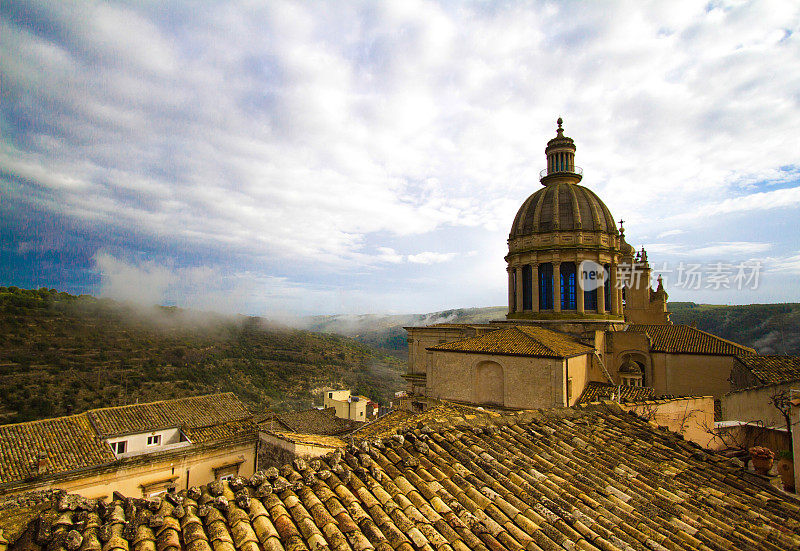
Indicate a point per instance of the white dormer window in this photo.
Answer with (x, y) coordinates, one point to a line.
(154, 440)
(119, 447)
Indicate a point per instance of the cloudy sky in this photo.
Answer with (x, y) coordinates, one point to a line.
(318, 157)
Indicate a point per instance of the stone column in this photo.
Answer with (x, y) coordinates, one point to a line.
(519, 288)
(613, 295)
(579, 296)
(511, 289)
(556, 286)
(534, 287)
(601, 298)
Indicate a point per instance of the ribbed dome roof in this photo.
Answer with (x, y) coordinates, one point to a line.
(562, 206)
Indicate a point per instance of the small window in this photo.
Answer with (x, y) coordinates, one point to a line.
(361, 414)
(330, 395)
(119, 447)
(154, 440)
(226, 477)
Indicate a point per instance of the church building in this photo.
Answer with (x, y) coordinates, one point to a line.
(582, 314)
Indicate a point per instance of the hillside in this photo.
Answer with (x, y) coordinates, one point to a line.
(62, 354)
(386, 331)
(769, 328)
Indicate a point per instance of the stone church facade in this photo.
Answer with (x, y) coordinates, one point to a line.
(561, 336)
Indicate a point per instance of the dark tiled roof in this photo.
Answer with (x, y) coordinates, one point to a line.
(223, 431)
(195, 411)
(590, 479)
(596, 391)
(312, 421)
(69, 443)
(684, 339)
(773, 369)
(520, 340)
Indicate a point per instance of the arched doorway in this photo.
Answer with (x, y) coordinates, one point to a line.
(489, 384)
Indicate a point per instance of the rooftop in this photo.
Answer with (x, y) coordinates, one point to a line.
(590, 478)
(76, 441)
(194, 411)
(596, 391)
(310, 421)
(520, 340)
(685, 339)
(773, 369)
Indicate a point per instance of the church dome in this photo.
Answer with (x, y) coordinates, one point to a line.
(562, 206)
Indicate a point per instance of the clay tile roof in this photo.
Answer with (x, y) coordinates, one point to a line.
(520, 340)
(68, 442)
(684, 339)
(222, 431)
(310, 439)
(191, 412)
(592, 478)
(773, 369)
(596, 391)
(311, 421)
(76, 441)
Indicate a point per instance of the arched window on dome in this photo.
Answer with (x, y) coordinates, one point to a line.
(590, 299)
(568, 296)
(545, 286)
(527, 287)
(607, 287)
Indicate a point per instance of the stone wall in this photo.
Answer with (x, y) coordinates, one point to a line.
(527, 382)
(753, 405)
(691, 374)
(692, 416)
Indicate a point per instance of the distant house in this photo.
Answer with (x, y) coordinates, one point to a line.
(140, 449)
(347, 406)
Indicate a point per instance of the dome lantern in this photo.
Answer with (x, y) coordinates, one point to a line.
(560, 152)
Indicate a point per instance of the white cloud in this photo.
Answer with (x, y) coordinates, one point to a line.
(736, 248)
(429, 257)
(387, 254)
(296, 133)
(145, 284)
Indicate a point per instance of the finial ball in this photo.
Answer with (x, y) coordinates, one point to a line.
(560, 122)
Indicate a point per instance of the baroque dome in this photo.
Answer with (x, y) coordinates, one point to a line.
(562, 206)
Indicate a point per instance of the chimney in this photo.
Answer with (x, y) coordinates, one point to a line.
(42, 464)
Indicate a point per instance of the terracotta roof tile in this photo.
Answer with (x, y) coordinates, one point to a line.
(194, 411)
(596, 391)
(520, 340)
(77, 441)
(310, 421)
(589, 478)
(773, 369)
(684, 339)
(69, 443)
(222, 431)
(313, 439)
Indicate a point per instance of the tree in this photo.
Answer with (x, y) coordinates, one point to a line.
(783, 404)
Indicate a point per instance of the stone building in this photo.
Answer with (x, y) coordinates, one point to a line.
(141, 449)
(581, 310)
